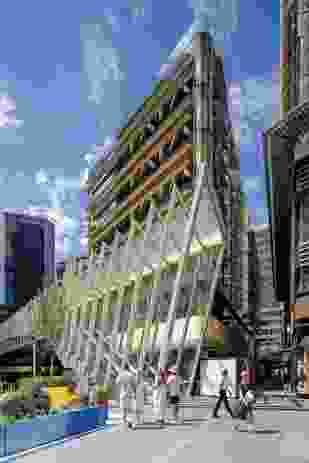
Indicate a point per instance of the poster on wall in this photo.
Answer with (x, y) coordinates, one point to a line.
(210, 375)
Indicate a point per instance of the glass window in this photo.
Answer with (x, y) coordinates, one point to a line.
(304, 219)
(302, 280)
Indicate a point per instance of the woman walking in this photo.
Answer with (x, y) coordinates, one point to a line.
(244, 380)
(140, 398)
(224, 388)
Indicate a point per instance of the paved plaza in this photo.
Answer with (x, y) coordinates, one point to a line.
(198, 439)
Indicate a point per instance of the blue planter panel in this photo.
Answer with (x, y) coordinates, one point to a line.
(3, 440)
(102, 415)
(81, 421)
(38, 431)
(21, 436)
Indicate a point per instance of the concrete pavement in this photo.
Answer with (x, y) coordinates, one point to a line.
(192, 441)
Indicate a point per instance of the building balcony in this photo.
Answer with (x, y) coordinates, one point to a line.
(303, 254)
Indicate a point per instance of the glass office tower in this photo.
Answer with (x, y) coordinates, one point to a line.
(27, 257)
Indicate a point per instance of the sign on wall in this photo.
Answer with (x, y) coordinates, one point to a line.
(211, 374)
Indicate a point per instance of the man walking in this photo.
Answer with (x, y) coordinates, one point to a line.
(160, 396)
(126, 382)
(225, 386)
(174, 389)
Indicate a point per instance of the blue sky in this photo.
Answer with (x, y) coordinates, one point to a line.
(70, 72)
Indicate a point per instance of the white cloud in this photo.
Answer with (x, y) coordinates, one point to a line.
(259, 215)
(90, 158)
(41, 177)
(101, 60)
(112, 19)
(218, 17)
(61, 193)
(8, 119)
(252, 185)
(138, 12)
(253, 104)
(54, 196)
(84, 178)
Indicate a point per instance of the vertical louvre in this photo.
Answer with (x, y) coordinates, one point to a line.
(302, 177)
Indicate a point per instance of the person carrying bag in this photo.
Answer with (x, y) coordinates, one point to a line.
(224, 388)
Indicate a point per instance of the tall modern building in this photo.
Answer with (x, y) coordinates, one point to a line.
(27, 250)
(167, 276)
(141, 198)
(286, 148)
(267, 312)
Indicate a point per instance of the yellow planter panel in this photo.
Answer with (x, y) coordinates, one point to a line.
(60, 396)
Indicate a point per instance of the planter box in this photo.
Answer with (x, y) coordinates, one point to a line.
(41, 430)
(28, 434)
(60, 396)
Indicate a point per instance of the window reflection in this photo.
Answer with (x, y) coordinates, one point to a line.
(302, 218)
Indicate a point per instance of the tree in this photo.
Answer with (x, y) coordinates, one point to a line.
(48, 318)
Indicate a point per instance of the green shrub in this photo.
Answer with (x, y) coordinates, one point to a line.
(26, 384)
(55, 411)
(103, 392)
(7, 419)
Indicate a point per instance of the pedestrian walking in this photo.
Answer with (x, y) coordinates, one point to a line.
(83, 385)
(140, 398)
(224, 388)
(126, 382)
(92, 392)
(156, 398)
(244, 380)
(160, 397)
(174, 392)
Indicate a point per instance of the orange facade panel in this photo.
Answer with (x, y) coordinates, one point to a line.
(299, 311)
(215, 328)
(181, 161)
(135, 167)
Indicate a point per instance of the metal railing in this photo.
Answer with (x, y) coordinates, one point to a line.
(14, 343)
(303, 254)
(7, 387)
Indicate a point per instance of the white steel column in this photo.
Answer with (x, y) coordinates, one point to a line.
(92, 321)
(123, 288)
(133, 310)
(72, 331)
(189, 231)
(110, 272)
(81, 327)
(189, 312)
(157, 279)
(115, 329)
(210, 301)
(66, 335)
(158, 315)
